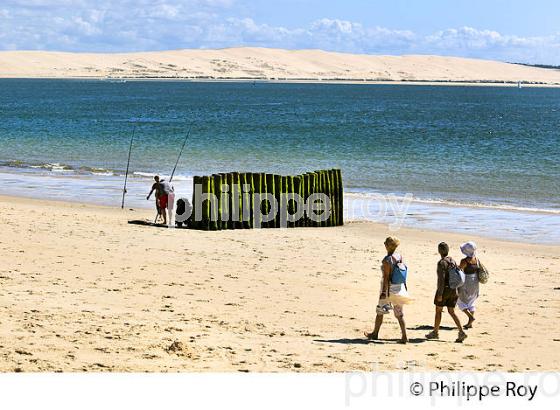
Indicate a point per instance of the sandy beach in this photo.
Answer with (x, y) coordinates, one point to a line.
(254, 63)
(83, 290)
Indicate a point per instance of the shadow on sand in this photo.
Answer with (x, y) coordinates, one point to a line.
(364, 341)
(147, 223)
(428, 328)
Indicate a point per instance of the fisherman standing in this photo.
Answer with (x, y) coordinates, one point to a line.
(156, 187)
(166, 198)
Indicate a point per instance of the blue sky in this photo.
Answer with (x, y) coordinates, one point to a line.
(514, 30)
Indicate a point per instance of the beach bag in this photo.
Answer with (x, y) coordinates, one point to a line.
(456, 276)
(399, 272)
(483, 274)
(183, 213)
(383, 307)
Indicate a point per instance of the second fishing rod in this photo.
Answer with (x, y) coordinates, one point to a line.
(170, 203)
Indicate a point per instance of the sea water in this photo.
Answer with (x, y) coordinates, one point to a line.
(476, 160)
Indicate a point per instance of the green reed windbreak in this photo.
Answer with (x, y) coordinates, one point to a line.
(236, 200)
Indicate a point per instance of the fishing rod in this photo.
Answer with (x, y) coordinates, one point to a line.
(177, 162)
(127, 166)
(180, 153)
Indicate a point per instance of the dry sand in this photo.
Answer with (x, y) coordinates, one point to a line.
(267, 64)
(82, 290)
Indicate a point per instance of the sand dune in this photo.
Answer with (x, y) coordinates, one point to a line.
(82, 290)
(267, 64)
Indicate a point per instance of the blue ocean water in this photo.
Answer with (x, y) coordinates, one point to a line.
(485, 157)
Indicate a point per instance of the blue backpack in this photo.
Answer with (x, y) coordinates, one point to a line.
(399, 272)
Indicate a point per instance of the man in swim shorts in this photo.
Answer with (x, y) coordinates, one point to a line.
(164, 196)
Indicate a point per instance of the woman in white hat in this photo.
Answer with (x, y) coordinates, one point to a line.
(468, 293)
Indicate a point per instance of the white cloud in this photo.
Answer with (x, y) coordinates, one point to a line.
(133, 25)
(471, 42)
(335, 26)
(341, 35)
(465, 37)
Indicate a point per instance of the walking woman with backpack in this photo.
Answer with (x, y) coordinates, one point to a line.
(393, 293)
(468, 293)
(449, 278)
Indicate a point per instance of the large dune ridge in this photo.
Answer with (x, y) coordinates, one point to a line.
(246, 63)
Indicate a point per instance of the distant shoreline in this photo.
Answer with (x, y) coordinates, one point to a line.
(510, 84)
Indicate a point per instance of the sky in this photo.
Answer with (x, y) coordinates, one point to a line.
(506, 30)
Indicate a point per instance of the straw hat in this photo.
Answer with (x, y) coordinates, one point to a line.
(392, 242)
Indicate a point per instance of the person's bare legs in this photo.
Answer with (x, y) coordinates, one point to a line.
(470, 315)
(454, 317)
(437, 321)
(462, 335)
(170, 207)
(434, 334)
(399, 314)
(375, 334)
(164, 214)
(170, 215)
(402, 324)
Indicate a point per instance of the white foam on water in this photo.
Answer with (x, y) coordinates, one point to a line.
(510, 223)
(55, 167)
(494, 222)
(443, 202)
(144, 174)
